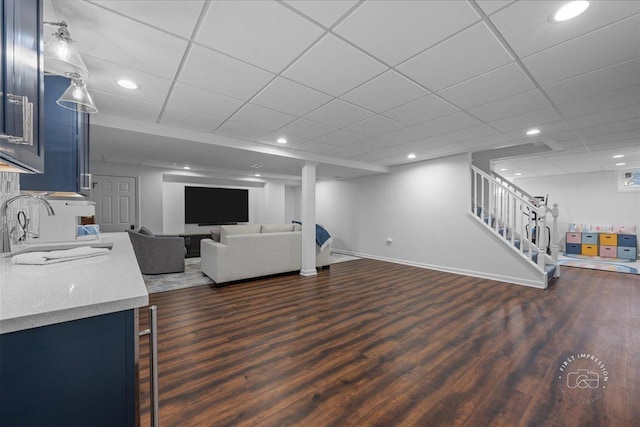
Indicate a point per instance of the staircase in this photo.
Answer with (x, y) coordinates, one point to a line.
(515, 218)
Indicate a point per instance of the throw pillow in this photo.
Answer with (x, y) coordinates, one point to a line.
(297, 227)
(227, 230)
(215, 235)
(276, 228)
(144, 230)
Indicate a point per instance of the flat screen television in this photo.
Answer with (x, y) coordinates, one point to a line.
(215, 206)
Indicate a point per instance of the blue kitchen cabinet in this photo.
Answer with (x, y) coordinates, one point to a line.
(66, 137)
(77, 373)
(21, 85)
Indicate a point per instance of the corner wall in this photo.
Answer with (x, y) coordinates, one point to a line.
(424, 208)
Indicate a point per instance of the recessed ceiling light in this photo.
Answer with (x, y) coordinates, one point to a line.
(620, 164)
(411, 156)
(532, 132)
(186, 168)
(281, 141)
(618, 156)
(504, 170)
(518, 173)
(127, 84)
(570, 10)
(257, 174)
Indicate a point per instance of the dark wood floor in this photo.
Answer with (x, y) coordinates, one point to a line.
(371, 343)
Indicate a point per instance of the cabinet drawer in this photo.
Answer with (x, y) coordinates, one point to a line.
(591, 250)
(574, 237)
(627, 252)
(574, 248)
(609, 251)
(608, 239)
(629, 240)
(590, 238)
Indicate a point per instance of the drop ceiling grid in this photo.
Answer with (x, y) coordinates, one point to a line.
(456, 106)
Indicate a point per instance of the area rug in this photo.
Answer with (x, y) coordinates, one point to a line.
(598, 263)
(193, 276)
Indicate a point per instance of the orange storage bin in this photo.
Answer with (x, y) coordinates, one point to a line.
(608, 239)
(591, 250)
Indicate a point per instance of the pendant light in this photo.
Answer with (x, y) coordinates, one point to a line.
(76, 97)
(61, 55)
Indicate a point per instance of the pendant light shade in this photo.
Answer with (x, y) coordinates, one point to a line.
(76, 97)
(61, 55)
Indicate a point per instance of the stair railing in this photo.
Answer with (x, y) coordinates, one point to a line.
(514, 216)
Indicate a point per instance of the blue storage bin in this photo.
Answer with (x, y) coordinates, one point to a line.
(590, 238)
(574, 248)
(629, 240)
(627, 252)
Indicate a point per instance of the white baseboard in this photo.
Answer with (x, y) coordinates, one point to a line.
(481, 275)
(307, 273)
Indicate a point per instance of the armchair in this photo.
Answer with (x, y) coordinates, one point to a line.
(158, 254)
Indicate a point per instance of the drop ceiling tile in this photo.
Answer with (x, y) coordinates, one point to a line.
(369, 145)
(523, 102)
(587, 53)
(240, 131)
(108, 103)
(121, 40)
(405, 135)
(396, 30)
(324, 12)
(443, 150)
(339, 114)
(105, 74)
(290, 97)
(632, 124)
(178, 17)
(450, 123)
(419, 111)
(334, 67)
(527, 28)
(219, 73)
(501, 83)
(272, 139)
(423, 144)
(307, 129)
(604, 80)
(527, 120)
(548, 128)
(465, 55)
(602, 102)
(491, 6)
(374, 126)
(315, 147)
(341, 138)
(249, 30)
(183, 119)
(261, 117)
(473, 132)
(201, 102)
(606, 117)
(385, 92)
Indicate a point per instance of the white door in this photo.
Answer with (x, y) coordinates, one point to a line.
(116, 202)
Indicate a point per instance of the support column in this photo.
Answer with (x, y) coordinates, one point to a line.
(308, 218)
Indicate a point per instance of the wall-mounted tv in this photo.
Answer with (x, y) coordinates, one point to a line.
(214, 206)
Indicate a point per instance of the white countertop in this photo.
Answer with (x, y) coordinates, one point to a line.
(39, 295)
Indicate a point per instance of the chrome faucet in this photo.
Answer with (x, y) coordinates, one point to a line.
(6, 240)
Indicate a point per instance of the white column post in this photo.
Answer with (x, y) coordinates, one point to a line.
(308, 218)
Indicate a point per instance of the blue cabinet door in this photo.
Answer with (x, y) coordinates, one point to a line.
(66, 145)
(22, 80)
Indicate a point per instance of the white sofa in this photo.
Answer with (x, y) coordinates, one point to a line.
(254, 250)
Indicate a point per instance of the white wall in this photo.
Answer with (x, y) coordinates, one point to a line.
(586, 198)
(149, 182)
(293, 200)
(161, 200)
(423, 207)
